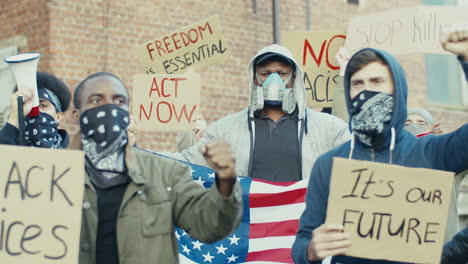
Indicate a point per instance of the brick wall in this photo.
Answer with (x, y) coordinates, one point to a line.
(29, 18)
(79, 37)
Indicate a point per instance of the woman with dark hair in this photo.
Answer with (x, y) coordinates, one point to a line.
(42, 130)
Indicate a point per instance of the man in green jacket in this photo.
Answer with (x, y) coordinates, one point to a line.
(134, 198)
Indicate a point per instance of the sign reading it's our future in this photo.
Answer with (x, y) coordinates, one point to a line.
(196, 46)
(41, 201)
(392, 212)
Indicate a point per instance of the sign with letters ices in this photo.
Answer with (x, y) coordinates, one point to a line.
(392, 212)
(41, 196)
(197, 46)
(315, 52)
(165, 102)
(403, 31)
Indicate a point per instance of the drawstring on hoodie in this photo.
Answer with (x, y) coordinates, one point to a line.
(392, 145)
(352, 146)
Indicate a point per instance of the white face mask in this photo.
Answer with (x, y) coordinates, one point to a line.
(274, 88)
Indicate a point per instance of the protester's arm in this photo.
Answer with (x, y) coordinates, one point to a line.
(9, 135)
(27, 106)
(450, 151)
(192, 154)
(456, 250)
(341, 133)
(314, 239)
(208, 215)
(455, 40)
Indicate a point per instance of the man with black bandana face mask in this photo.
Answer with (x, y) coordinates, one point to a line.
(134, 198)
(42, 130)
(375, 93)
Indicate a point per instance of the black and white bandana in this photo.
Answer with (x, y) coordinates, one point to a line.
(48, 95)
(370, 114)
(104, 137)
(41, 131)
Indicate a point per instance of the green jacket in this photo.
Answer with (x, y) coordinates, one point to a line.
(161, 195)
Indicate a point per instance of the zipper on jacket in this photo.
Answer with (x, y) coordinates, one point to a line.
(372, 154)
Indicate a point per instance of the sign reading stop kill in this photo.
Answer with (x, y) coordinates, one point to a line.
(41, 197)
(315, 52)
(392, 212)
(165, 102)
(403, 31)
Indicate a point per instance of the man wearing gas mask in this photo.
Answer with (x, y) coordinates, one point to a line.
(277, 138)
(42, 130)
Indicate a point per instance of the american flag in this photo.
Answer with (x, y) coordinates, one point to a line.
(268, 227)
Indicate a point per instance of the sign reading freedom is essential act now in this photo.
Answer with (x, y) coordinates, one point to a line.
(392, 212)
(197, 46)
(41, 197)
(403, 31)
(165, 102)
(315, 52)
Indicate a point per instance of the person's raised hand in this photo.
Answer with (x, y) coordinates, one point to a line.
(219, 157)
(454, 39)
(28, 104)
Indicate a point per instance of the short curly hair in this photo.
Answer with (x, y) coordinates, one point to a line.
(80, 86)
(55, 85)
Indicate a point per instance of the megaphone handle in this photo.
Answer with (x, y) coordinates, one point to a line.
(20, 121)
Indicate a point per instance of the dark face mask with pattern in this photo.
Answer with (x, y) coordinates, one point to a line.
(104, 137)
(104, 125)
(371, 113)
(42, 131)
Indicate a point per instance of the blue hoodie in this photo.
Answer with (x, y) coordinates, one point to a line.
(447, 152)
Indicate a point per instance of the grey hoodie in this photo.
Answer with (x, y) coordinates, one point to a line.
(318, 132)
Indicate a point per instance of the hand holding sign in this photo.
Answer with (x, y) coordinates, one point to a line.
(328, 240)
(219, 157)
(455, 40)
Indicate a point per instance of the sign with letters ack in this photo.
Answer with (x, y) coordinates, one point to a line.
(41, 193)
(392, 212)
(165, 102)
(315, 52)
(197, 46)
(403, 31)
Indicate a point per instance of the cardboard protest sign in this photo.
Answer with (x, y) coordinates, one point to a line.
(392, 212)
(165, 102)
(196, 46)
(315, 52)
(403, 31)
(41, 193)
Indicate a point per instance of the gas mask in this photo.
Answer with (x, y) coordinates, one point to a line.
(274, 92)
(417, 130)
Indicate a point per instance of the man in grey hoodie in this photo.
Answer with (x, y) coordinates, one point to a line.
(277, 138)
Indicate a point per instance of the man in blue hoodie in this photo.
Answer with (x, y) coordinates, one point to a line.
(376, 93)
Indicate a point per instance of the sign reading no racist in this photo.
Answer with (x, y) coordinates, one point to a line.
(315, 52)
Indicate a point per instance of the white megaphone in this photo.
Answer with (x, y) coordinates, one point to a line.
(24, 68)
